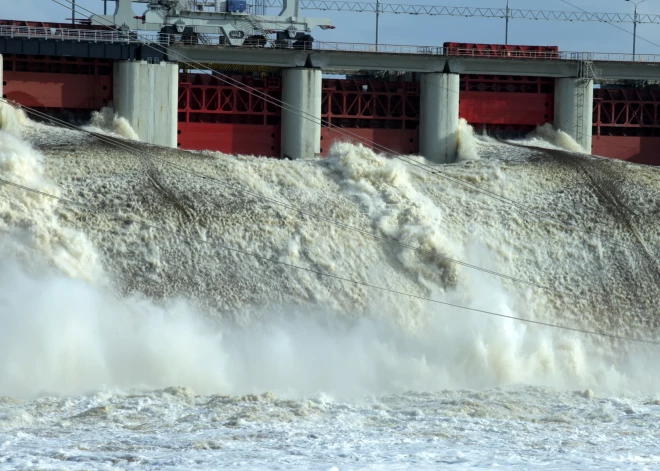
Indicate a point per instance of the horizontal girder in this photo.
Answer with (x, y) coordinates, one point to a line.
(439, 10)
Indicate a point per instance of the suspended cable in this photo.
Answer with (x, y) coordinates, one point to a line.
(432, 170)
(612, 24)
(151, 173)
(120, 144)
(391, 240)
(285, 106)
(218, 244)
(478, 12)
(342, 131)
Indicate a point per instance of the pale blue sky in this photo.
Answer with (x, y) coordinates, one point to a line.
(425, 30)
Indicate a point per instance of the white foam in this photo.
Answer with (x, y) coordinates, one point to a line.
(108, 121)
(66, 332)
(546, 134)
(12, 119)
(467, 142)
(29, 225)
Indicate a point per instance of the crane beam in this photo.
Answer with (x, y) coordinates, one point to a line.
(437, 10)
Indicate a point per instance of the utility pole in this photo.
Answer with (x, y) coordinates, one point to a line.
(73, 12)
(377, 14)
(506, 34)
(635, 26)
(105, 7)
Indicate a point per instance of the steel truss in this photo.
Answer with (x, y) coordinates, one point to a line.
(372, 104)
(205, 99)
(627, 112)
(437, 10)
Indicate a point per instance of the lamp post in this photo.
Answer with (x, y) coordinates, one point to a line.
(377, 13)
(635, 25)
(506, 33)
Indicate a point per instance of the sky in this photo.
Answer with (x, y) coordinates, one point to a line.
(434, 30)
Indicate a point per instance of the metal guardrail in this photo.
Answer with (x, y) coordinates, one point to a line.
(62, 34)
(111, 36)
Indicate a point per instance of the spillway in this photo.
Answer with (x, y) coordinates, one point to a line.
(206, 271)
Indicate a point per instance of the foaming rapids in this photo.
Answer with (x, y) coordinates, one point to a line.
(69, 326)
(65, 336)
(546, 134)
(467, 142)
(108, 121)
(11, 119)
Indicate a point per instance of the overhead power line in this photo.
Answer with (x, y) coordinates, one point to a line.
(272, 201)
(350, 135)
(219, 244)
(479, 12)
(434, 170)
(363, 283)
(619, 27)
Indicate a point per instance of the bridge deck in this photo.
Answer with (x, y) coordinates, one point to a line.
(353, 60)
(350, 56)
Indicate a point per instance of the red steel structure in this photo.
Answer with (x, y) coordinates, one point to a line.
(380, 111)
(627, 124)
(229, 119)
(506, 104)
(60, 85)
(501, 50)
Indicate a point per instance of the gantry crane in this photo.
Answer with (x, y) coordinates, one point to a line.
(231, 19)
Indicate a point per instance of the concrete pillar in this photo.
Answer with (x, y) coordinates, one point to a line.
(301, 133)
(574, 104)
(147, 96)
(438, 123)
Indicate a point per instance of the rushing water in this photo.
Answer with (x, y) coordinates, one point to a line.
(130, 337)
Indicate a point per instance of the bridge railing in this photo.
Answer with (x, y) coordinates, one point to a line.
(112, 36)
(63, 34)
(474, 52)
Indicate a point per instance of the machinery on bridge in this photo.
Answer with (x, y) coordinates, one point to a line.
(193, 20)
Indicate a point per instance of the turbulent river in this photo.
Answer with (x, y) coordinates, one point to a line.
(181, 310)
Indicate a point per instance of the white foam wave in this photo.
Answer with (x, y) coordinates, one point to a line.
(12, 119)
(467, 142)
(108, 121)
(546, 135)
(62, 336)
(29, 222)
(398, 211)
(64, 332)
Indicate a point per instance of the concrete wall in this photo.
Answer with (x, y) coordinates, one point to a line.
(574, 104)
(147, 96)
(301, 114)
(438, 121)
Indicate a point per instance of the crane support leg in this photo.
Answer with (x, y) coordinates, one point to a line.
(438, 126)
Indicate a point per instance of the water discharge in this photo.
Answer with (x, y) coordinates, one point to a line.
(107, 121)
(90, 301)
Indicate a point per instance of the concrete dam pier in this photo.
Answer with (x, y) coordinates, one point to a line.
(146, 95)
